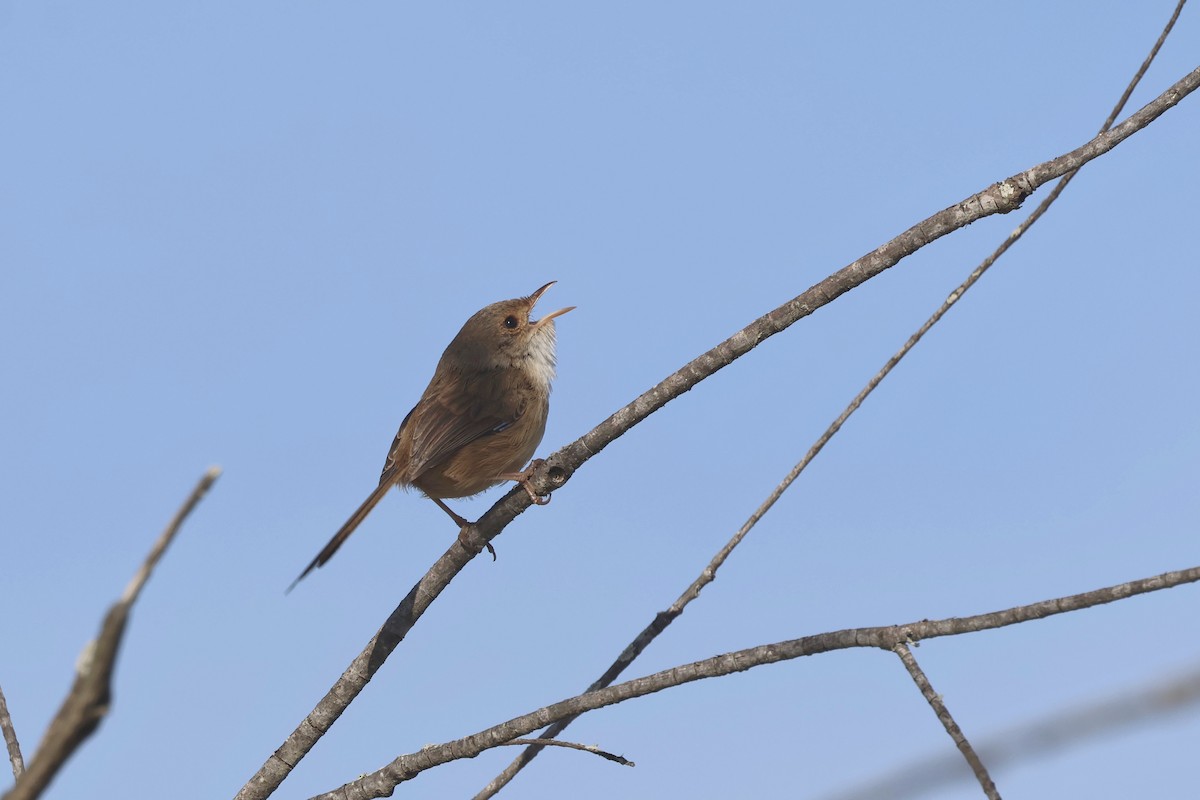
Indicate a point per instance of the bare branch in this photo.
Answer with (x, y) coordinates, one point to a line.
(709, 573)
(1000, 198)
(383, 782)
(1137, 78)
(943, 715)
(91, 694)
(557, 469)
(1040, 737)
(587, 748)
(10, 740)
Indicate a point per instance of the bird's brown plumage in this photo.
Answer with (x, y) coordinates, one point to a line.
(481, 417)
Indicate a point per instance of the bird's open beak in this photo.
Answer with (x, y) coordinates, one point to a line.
(537, 295)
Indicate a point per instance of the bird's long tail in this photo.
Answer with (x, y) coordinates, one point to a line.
(344, 532)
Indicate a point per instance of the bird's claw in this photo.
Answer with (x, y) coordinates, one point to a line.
(525, 478)
(464, 540)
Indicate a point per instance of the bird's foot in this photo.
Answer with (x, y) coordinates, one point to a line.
(464, 529)
(465, 539)
(524, 477)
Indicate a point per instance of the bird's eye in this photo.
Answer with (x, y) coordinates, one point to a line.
(511, 322)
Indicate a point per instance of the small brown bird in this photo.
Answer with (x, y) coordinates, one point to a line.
(480, 419)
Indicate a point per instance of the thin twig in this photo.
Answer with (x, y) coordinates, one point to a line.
(999, 198)
(663, 619)
(943, 714)
(91, 695)
(10, 739)
(1039, 738)
(587, 748)
(383, 782)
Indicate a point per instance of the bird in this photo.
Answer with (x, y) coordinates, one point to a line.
(480, 419)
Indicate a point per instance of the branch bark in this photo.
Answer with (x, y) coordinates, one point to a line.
(383, 782)
(556, 471)
(709, 573)
(10, 740)
(943, 714)
(587, 748)
(1039, 738)
(90, 697)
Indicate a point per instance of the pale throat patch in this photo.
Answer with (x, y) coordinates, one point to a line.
(540, 359)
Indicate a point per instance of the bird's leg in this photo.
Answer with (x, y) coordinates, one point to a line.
(459, 521)
(524, 477)
(462, 527)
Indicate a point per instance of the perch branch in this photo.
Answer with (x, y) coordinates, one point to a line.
(709, 573)
(556, 470)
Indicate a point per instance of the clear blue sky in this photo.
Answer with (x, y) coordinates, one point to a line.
(241, 234)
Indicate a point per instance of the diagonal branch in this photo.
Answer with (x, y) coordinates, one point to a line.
(943, 714)
(10, 740)
(1039, 738)
(91, 694)
(587, 748)
(1000, 198)
(382, 782)
(996, 199)
(663, 619)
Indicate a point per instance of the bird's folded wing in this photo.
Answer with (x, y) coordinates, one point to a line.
(449, 416)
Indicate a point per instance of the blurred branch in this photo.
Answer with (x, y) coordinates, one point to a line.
(943, 714)
(10, 740)
(1039, 738)
(383, 782)
(663, 619)
(91, 694)
(557, 469)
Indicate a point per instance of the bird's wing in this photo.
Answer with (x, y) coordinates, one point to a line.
(450, 415)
